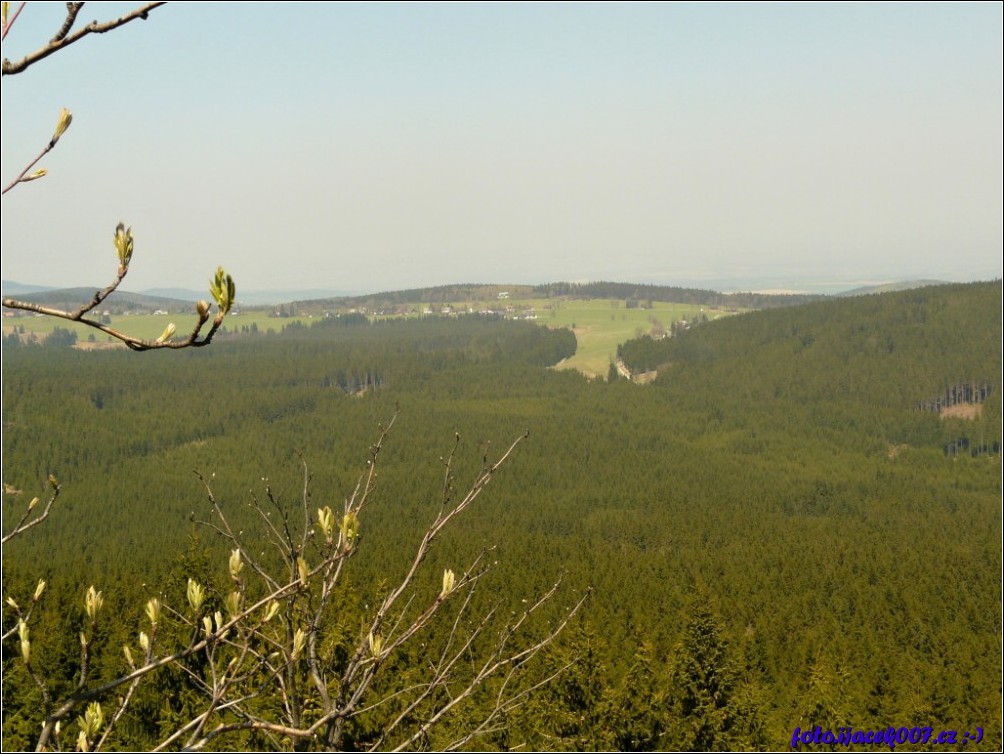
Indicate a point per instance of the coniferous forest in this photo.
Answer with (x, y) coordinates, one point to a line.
(786, 529)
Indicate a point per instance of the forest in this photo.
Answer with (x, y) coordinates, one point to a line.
(786, 529)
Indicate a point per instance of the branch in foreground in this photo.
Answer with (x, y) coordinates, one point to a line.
(223, 290)
(274, 661)
(63, 38)
(24, 524)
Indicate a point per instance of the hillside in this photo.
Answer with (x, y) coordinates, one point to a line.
(119, 302)
(782, 495)
(467, 293)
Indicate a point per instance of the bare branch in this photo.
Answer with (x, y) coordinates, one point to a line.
(64, 39)
(124, 246)
(7, 24)
(22, 526)
(72, 9)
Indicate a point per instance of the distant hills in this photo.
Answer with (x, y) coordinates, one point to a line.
(906, 285)
(171, 299)
(181, 299)
(251, 298)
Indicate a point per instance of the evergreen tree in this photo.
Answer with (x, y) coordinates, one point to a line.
(704, 680)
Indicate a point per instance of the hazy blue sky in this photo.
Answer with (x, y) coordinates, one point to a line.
(367, 147)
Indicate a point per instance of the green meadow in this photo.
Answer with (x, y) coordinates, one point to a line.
(600, 325)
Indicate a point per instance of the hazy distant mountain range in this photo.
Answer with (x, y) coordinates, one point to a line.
(172, 298)
(175, 299)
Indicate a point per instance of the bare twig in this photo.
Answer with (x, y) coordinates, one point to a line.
(23, 525)
(64, 39)
(10, 23)
(136, 344)
(223, 291)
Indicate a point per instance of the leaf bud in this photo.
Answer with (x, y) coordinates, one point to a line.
(123, 244)
(168, 332)
(326, 520)
(93, 602)
(299, 639)
(65, 118)
(195, 594)
(270, 610)
(236, 566)
(349, 528)
(223, 291)
(448, 581)
(153, 610)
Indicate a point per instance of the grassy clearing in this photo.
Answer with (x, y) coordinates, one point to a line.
(600, 325)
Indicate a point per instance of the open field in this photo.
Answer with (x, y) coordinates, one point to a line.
(600, 325)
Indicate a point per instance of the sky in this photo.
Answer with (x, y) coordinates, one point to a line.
(369, 147)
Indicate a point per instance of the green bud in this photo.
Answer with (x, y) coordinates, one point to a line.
(93, 602)
(65, 118)
(153, 610)
(195, 595)
(299, 639)
(448, 581)
(144, 643)
(349, 528)
(92, 720)
(128, 655)
(302, 570)
(168, 332)
(123, 244)
(376, 644)
(270, 610)
(326, 520)
(223, 291)
(236, 566)
(38, 590)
